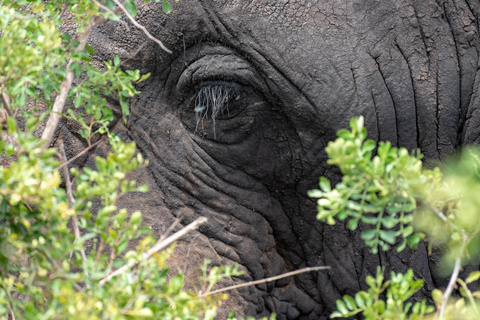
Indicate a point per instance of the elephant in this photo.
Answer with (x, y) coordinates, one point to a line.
(234, 124)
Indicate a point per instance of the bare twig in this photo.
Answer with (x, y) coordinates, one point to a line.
(451, 283)
(443, 217)
(251, 283)
(71, 201)
(166, 233)
(101, 6)
(6, 103)
(77, 156)
(135, 53)
(160, 245)
(66, 84)
(139, 26)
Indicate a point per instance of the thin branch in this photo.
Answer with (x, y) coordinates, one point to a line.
(71, 201)
(160, 245)
(6, 103)
(139, 26)
(443, 217)
(66, 84)
(66, 163)
(101, 6)
(451, 283)
(469, 293)
(251, 283)
(166, 233)
(134, 54)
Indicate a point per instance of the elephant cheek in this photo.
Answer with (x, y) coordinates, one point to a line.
(186, 183)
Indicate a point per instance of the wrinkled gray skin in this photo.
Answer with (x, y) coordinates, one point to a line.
(300, 69)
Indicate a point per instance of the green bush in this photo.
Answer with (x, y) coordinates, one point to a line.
(389, 190)
(46, 271)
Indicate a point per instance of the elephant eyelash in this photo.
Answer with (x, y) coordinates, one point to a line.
(214, 99)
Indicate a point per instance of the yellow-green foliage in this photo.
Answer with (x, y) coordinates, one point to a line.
(46, 270)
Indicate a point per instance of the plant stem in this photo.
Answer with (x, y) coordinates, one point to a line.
(448, 292)
(71, 201)
(160, 245)
(251, 283)
(469, 293)
(66, 85)
(64, 164)
(139, 26)
(6, 104)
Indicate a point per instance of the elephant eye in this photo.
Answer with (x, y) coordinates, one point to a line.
(214, 101)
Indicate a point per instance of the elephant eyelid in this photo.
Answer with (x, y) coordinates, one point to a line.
(212, 100)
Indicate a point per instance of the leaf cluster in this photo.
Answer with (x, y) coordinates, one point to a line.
(370, 304)
(388, 188)
(378, 190)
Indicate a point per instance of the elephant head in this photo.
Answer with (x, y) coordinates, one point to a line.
(235, 121)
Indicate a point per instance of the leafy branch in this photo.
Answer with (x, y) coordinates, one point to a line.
(388, 188)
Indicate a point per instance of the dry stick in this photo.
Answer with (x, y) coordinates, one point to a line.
(77, 156)
(160, 245)
(443, 217)
(166, 233)
(71, 201)
(451, 283)
(139, 26)
(66, 85)
(6, 104)
(135, 53)
(251, 283)
(456, 269)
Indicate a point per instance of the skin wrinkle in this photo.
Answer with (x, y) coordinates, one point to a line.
(292, 128)
(382, 75)
(414, 93)
(172, 183)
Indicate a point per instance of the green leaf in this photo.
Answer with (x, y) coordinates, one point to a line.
(141, 313)
(110, 4)
(352, 224)
(144, 77)
(11, 125)
(359, 300)
(368, 146)
(368, 234)
(389, 222)
(325, 184)
(315, 193)
(89, 49)
(136, 218)
(107, 114)
(473, 276)
(341, 306)
(131, 8)
(388, 236)
(369, 220)
(166, 7)
(116, 61)
(350, 302)
(413, 241)
(125, 109)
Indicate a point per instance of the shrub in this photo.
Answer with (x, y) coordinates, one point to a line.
(46, 272)
(389, 190)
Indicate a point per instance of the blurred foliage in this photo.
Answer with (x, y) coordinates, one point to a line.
(398, 289)
(399, 203)
(55, 249)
